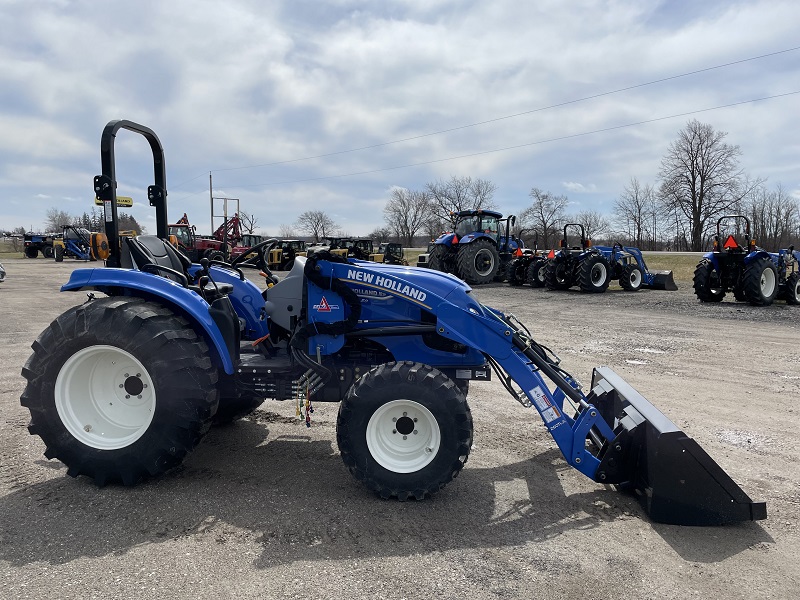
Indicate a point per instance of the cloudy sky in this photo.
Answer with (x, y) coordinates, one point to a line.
(328, 104)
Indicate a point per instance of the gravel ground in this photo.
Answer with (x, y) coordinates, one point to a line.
(266, 509)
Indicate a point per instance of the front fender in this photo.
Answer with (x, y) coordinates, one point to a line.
(127, 282)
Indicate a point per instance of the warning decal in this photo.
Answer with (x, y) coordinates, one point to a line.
(323, 306)
(539, 397)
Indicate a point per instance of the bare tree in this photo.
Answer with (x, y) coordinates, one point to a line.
(55, 219)
(774, 216)
(406, 213)
(635, 211)
(701, 178)
(594, 223)
(285, 231)
(316, 223)
(459, 193)
(382, 234)
(248, 221)
(545, 215)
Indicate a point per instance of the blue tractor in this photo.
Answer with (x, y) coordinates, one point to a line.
(592, 268)
(477, 250)
(121, 387)
(751, 273)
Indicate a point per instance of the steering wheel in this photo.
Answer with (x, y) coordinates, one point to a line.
(259, 261)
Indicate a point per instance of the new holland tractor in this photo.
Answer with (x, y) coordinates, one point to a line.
(751, 273)
(476, 250)
(124, 385)
(592, 268)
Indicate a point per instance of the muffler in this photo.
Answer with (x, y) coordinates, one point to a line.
(675, 480)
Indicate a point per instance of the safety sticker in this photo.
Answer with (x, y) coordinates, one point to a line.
(539, 397)
(551, 414)
(324, 306)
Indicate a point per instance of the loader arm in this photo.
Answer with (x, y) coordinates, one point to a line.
(612, 434)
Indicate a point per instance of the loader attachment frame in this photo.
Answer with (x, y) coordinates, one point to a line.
(614, 435)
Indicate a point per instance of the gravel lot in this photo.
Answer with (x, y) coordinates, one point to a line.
(266, 509)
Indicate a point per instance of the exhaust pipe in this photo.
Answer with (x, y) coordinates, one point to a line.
(675, 480)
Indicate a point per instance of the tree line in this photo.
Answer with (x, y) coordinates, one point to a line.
(699, 181)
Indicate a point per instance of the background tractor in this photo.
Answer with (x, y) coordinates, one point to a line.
(592, 268)
(477, 251)
(390, 253)
(195, 246)
(121, 387)
(81, 244)
(751, 273)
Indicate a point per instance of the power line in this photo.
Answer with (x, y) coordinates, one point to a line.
(484, 152)
(496, 119)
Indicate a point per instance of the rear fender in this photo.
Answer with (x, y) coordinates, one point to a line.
(761, 254)
(183, 301)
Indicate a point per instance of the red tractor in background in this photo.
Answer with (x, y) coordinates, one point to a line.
(216, 247)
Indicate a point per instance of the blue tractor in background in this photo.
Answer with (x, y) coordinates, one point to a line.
(751, 273)
(477, 250)
(122, 386)
(592, 268)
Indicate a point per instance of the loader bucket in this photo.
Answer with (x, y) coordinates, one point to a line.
(661, 280)
(675, 480)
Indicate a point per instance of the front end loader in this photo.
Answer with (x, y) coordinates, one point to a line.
(122, 387)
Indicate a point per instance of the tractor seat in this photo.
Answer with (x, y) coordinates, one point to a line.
(151, 254)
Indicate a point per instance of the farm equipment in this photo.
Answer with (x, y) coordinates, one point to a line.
(195, 246)
(751, 273)
(390, 253)
(592, 268)
(423, 260)
(528, 268)
(282, 256)
(248, 241)
(34, 243)
(476, 250)
(123, 386)
(81, 244)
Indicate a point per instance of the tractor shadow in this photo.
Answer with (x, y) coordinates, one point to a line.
(293, 496)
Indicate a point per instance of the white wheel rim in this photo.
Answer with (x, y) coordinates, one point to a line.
(767, 282)
(797, 290)
(105, 397)
(636, 278)
(481, 259)
(598, 274)
(403, 436)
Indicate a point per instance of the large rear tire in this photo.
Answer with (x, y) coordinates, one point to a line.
(439, 259)
(119, 389)
(31, 252)
(537, 270)
(478, 261)
(516, 270)
(47, 251)
(707, 284)
(760, 282)
(58, 253)
(404, 430)
(595, 274)
(557, 275)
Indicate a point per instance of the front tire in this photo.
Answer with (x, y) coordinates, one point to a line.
(536, 273)
(595, 274)
(760, 282)
(404, 430)
(58, 253)
(31, 252)
(792, 289)
(631, 279)
(478, 262)
(119, 389)
(707, 285)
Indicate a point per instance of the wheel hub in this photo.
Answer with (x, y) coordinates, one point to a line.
(403, 436)
(105, 397)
